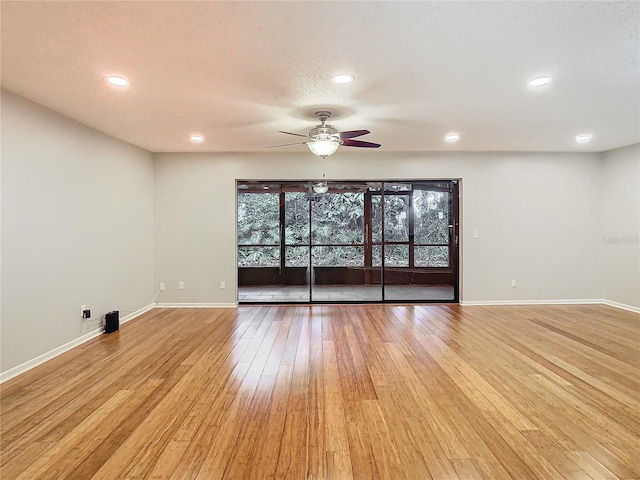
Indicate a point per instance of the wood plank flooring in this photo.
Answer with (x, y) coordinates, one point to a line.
(336, 392)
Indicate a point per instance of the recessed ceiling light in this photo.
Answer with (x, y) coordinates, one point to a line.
(342, 78)
(539, 81)
(584, 137)
(452, 137)
(117, 81)
(196, 138)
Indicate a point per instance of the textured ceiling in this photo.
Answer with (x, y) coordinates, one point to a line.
(239, 71)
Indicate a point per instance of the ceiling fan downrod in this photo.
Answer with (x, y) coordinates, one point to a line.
(323, 116)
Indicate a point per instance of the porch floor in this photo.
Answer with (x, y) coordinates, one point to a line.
(345, 293)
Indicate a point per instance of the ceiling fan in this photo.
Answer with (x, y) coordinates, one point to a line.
(324, 140)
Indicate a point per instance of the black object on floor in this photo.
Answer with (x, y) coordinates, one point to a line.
(112, 321)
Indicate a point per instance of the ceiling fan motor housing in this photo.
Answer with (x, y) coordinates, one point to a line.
(324, 132)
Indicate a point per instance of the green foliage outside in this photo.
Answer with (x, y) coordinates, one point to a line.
(258, 223)
(338, 220)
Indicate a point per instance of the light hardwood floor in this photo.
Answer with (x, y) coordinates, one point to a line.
(314, 392)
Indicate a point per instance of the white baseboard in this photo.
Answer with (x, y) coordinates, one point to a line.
(196, 305)
(570, 301)
(137, 313)
(623, 306)
(40, 359)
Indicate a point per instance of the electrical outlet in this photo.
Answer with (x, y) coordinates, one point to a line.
(514, 283)
(181, 285)
(223, 284)
(82, 309)
(162, 287)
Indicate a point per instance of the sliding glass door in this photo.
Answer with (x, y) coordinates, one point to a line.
(418, 240)
(365, 241)
(341, 265)
(273, 242)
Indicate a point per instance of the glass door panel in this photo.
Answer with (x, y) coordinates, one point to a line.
(428, 274)
(396, 240)
(273, 242)
(258, 230)
(296, 271)
(434, 240)
(340, 254)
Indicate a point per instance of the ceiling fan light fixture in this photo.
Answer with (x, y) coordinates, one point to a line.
(323, 148)
(321, 187)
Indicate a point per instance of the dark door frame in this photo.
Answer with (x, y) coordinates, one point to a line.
(284, 271)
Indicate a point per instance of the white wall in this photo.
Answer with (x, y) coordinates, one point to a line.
(620, 203)
(538, 217)
(77, 228)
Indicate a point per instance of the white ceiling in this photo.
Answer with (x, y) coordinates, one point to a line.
(239, 71)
